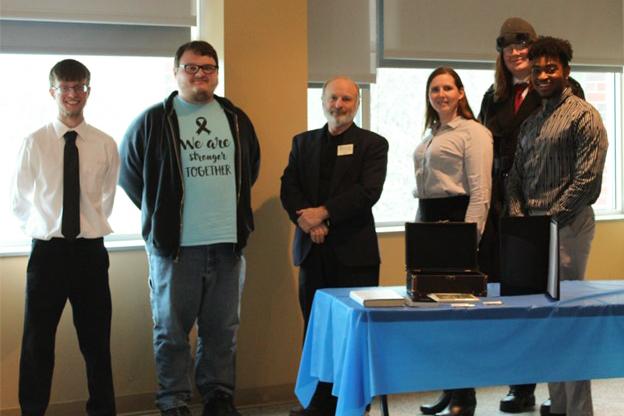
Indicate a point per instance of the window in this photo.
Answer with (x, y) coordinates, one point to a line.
(397, 109)
(122, 87)
(397, 113)
(603, 91)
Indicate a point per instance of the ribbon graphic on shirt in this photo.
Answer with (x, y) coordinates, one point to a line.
(201, 123)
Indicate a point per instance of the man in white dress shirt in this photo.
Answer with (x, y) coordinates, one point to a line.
(62, 194)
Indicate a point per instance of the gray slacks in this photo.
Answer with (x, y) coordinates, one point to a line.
(573, 398)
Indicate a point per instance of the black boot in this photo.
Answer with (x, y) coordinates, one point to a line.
(519, 399)
(545, 410)
(463, 403)
(322, 404)
(437, 406)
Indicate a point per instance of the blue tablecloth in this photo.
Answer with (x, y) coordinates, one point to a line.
(368, 352)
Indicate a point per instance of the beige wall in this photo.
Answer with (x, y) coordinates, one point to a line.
(266, 74)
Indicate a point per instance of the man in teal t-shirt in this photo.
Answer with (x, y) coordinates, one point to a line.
(207, 153)
(189, 165)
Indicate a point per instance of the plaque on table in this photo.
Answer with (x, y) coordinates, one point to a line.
(441, 257)
(529, 249)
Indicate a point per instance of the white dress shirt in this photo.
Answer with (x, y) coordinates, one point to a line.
(457, 160)
(37, 188)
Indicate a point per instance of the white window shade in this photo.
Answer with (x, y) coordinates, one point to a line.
(341, 40)
(467, 29)
(90, 39)
(140, 12)
(112, 27)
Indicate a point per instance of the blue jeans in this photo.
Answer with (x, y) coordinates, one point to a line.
(203, 286)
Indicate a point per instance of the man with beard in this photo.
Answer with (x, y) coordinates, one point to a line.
(334, 177)
(557, 171)
(189, 164)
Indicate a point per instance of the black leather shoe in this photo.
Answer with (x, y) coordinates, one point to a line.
(440, 404)
(177, 411)
(516, 402)
(220, 404)
(458, 410)
(463, 403)
(297, 410)
(309, 411)
(545, 410)
(322, 403)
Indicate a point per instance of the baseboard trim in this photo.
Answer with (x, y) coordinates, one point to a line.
(143, 404)
(266, 396)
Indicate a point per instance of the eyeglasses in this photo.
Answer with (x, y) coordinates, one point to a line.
(515, 47)
(523, 39)
(78, 89)
(194, 68)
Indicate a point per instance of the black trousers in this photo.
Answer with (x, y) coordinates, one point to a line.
(59, 270)
(322, 269)
(489, 252)
(489, 246)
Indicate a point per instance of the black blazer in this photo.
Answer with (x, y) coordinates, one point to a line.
(499, 117)
(356, 185)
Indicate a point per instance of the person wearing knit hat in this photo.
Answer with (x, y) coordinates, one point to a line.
(515, 31)
(505, 105)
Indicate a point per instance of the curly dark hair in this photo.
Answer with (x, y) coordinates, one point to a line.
(552, 48)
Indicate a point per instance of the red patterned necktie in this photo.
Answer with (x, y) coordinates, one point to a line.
(518, 98)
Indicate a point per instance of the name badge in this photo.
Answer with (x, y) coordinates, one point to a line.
(345, 149)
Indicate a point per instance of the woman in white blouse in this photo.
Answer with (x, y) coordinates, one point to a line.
(453, 163)
(453, 168)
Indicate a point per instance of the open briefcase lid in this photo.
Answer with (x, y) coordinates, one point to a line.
(441, 246)
(529, 248)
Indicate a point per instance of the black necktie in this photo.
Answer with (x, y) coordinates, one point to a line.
(70, 225)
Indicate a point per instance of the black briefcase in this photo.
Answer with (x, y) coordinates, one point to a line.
(441, 257)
